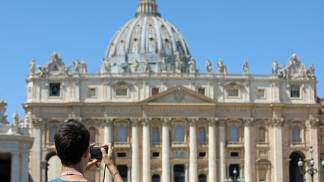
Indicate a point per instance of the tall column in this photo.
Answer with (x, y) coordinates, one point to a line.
(166, 151)
(36, 151)
(212, 171)
(278, 168)
(24, 165)
(146, 151)
(248, 152)
(15, 167)
(108, 139)
(193, 160)
(222, 141)
(313, 124)
(135, 152)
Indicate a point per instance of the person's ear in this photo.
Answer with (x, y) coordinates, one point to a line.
(86, 154)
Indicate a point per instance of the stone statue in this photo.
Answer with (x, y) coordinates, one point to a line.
(55, 58)
(105, 68)
(147, 68)
(135, 65)
(293, 59)
(275, 68)
(80, 67)
(246, 69)
(178, 65)
(192, 66)
(163, 65)
(311, 72)
(16, 119)
(221, 67)
(42, 71)
(209, 66)
(32, 67)
(3, 117)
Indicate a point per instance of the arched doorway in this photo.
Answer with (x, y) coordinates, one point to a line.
(156, 178)
(202, 178)
(295, 174)
(179, 173)
(5, 167)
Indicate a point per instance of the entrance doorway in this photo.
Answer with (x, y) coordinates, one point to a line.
(295, 174)
(5, 166)
(123, 171)
(179, 173)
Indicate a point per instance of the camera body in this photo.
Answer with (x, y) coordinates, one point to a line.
(95, 153)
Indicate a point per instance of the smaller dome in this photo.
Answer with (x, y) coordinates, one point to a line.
(147, 39)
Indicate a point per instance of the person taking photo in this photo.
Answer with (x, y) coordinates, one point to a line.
(72, 143)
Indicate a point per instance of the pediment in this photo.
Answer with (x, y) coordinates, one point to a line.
(179, 95)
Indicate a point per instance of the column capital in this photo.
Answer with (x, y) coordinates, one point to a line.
(136, 121)
(248, 121)
(277, 122)
(193, 120)
(212, 121)
(108, 121)
(166, 121)
(146, 121)
(312, 123)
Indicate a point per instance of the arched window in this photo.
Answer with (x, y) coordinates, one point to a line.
(202, 136)
(262, 135)
(93, 135)
(179, 134)
(234, 134)
(296, 135)
(202, 178)
(155, 136)
(156, 178)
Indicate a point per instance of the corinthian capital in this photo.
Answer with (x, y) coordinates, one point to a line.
(313, 122)
(212, 121)
(167, 120)
(192, 121)
(248, 121)
(277, 122)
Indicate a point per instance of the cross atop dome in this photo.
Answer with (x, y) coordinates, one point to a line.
(147, 7)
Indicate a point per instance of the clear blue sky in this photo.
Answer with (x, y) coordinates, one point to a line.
(231, 29)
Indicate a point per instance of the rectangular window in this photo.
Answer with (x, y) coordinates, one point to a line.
(179, 134)
(233, 92)
(121, 92)
(52, 132)
(54, 89)
(155, 136)
(202, 91)
(295, 91)
(234, 135)
(121, 135)
(155, 91)
(296, 135)
(92, 92)
(261, 93)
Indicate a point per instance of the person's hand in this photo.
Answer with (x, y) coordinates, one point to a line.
(107, 156)
(92, 162)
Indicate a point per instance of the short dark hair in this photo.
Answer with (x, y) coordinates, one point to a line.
(71, 141)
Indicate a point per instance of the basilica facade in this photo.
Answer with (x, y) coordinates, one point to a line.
(170, 122)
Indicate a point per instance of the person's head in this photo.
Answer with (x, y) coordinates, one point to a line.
(72, 143)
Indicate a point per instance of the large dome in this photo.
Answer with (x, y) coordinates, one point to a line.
(145, 40)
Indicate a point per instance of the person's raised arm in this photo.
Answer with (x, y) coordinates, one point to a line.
(109, 162)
